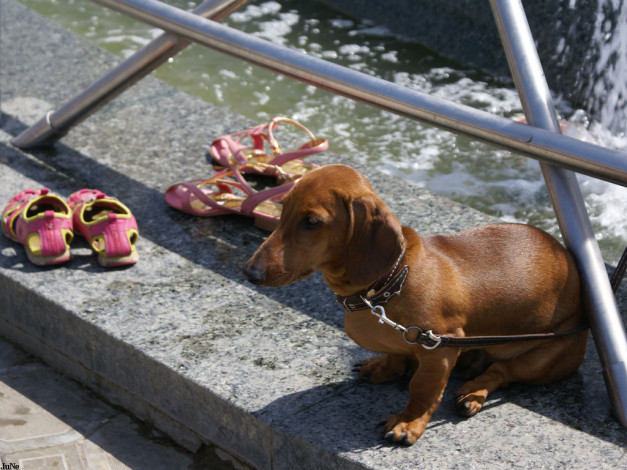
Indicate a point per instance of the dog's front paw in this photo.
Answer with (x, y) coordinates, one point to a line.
(382, 369)
(404, 431)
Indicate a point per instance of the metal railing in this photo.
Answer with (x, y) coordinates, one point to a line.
(542, 140)
(605, 321)
(534, 142)
(56, 124)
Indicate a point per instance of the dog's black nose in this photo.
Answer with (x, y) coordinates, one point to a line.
(254, 274)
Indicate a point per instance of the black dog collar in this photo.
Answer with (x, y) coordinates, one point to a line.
(379, 293)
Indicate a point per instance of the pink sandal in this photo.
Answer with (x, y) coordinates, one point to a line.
(108, 226)
(194, 197)
(42, 222)
(229, 151)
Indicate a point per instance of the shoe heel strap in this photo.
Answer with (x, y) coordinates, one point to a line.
(115, 234)
(248, 206)
(52, 232)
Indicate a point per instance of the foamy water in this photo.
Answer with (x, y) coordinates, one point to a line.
(482, 176)
(610, 85)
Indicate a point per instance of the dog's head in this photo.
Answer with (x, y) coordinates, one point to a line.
(334, 222)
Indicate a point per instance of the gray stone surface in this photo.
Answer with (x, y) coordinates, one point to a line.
(184, 343)
(49, 421)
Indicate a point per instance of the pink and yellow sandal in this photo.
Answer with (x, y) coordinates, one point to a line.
(42, 222)
(248, 149)
(108, 226)
(219, 195)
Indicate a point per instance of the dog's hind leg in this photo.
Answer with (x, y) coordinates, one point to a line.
(473, 363)
(550, 361)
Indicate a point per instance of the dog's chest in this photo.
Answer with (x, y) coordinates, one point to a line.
(364, 328)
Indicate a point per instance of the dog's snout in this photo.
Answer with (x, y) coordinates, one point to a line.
(254, 274)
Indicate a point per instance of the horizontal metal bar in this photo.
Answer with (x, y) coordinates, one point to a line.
(56, 124)
(540, 144)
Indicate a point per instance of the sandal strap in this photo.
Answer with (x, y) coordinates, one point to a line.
(274, 124)
(193, 186)
(249, 202)
(50, 229)
(11, 213)
(313, 146)
(249, 205)
(114, 227)
(14, 207)
(115, 230)
(85, 196)
(234, 148)
(262, 133)
(254, 198)
(310, 148)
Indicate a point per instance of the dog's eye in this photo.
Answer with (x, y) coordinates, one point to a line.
(311, 222)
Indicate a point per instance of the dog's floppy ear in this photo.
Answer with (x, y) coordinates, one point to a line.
(375, 242)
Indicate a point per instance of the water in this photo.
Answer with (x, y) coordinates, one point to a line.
(608, 89)
(479, 175)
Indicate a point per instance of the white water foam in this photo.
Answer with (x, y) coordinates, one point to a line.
(606, 202)
(609, 91)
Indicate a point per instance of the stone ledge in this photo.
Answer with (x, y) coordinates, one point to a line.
(183, 342)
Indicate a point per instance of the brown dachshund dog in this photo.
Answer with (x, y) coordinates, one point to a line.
(501, 279)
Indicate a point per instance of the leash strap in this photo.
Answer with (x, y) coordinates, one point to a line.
(429, 340)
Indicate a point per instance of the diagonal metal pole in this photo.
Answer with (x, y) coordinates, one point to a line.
(605, 321)
(57, 123)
